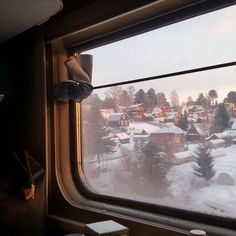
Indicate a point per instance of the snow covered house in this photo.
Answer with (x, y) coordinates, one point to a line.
(118, 120)
(217, 143)
(140, 135)
(195, 133)
(136, 112)
(228, 134)
(169, 139)
(172, 117)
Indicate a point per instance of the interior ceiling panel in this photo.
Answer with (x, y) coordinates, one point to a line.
(16, 16)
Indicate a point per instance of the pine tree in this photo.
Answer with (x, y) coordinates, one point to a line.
(151, 99)
(221, 119)
(204, 164)
(140, 97)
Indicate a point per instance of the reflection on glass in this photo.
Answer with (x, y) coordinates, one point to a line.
(170, 142)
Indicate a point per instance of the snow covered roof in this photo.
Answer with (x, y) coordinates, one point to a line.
(139, 132)
(149, 128)
(183, 155)
(198, 128)
(170, 130)
(217, 141)
(122, 136)
(148, 115)
(115, 116)
(225, 134)
(170, 115)
(135, 106)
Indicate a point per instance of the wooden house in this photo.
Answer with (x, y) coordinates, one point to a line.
(118, 120)
(136, 112)
(217, 143)
(173, 117)
(168, 140)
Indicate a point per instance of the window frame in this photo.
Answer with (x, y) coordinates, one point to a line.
(121, 204)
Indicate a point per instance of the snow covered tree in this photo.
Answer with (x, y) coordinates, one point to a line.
(204, 164)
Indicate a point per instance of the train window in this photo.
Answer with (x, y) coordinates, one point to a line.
(160, 126)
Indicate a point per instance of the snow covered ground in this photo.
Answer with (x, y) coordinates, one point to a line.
(121, 174)
(189, 191)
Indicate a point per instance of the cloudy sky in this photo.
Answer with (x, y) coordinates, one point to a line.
(201, 41)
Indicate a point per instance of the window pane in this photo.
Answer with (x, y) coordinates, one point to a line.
(170, 142)
(201, 41)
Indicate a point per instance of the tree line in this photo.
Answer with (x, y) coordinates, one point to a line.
(118, 97)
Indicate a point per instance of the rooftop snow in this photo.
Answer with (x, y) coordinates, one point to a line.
(217, 141)
(170, 130)
(122, 136)
(115, 116)
(183, 155)
(149, 128)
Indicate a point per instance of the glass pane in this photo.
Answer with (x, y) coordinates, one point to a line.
(201, 41)
(170, 142)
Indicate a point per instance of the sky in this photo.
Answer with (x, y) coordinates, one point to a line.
(200, 41)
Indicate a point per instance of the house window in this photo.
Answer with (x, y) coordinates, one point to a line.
(181, 70)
